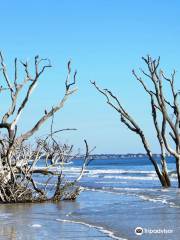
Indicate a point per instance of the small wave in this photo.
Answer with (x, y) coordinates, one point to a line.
(131, 189)
(36, 225)
(120, 191)
(119, 171)
(106, 190)
(151, 199)
(68, 163)
(101, 229)
(151, 174)
(158, 199)
(73, 169)
(174, 175)
(5, 215)
(63, 168)
(131, 177)
(108, 182)
(144, 178)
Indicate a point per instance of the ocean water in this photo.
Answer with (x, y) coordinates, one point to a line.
(118, 195)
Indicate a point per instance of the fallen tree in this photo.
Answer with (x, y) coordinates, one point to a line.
(33, 172)
(165, 110)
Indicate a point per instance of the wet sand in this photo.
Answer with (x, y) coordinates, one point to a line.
(46, 221)
(36, 222)
(95, 215)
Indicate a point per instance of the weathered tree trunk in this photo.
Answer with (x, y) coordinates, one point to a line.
(163, 177)
(164, 170)
(178, 170)
(165, 113)
(167, 182)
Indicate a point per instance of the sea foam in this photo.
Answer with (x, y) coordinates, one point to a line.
(99, 228)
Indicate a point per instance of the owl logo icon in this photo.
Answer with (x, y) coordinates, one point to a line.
(139, 231)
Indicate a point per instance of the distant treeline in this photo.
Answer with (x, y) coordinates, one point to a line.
(116, 156)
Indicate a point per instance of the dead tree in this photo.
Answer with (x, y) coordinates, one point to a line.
(19, 161)
(165, 114)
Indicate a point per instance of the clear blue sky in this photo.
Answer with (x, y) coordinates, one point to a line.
(105, 39)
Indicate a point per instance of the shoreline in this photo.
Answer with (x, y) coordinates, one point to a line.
(96, 214)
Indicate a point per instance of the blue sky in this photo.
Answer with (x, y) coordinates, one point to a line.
(105, 40)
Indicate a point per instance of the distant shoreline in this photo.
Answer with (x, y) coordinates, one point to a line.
(128, 155)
